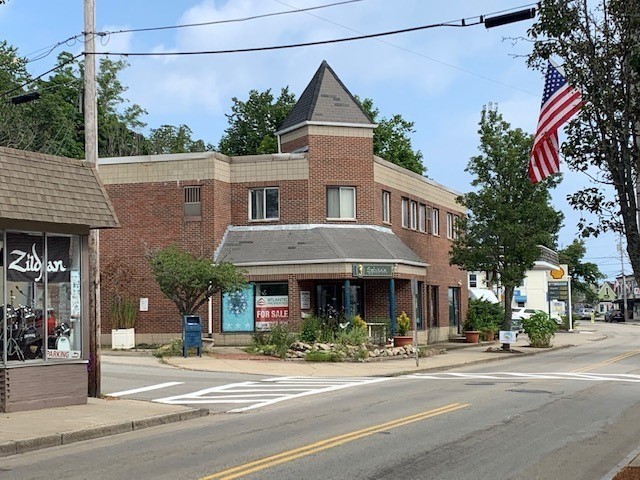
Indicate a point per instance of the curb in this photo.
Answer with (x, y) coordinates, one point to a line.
(474, 362)
(65, 438)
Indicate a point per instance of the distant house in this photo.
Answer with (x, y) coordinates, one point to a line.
(606, 297)
(627, 288)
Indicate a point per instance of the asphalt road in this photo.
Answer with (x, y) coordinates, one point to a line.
(499, 420)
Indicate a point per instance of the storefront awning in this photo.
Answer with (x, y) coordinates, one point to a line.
(483, 294)
(308, 244)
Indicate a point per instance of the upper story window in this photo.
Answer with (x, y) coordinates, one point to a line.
(341, 203)
(456, 225)
(435, 221)
(413, 215)
(450, 225)
(264, 203)
(192, 202)
(405, 212)
(386, 202)
(422, 217)
(473, 280)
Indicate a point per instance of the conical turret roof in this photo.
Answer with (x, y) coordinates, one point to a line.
(325, 101)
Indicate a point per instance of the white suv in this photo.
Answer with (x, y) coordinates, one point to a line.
(524, 313)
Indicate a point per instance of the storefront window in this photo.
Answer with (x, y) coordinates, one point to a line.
(64, 322)
(41, 313)
(272, 305)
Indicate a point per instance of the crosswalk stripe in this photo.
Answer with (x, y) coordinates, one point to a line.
(143, 389)
(267, 392)
(610, 377)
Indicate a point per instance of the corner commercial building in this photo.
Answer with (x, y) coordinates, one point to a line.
(323, 227)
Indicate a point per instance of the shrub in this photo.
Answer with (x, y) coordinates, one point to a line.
(172, 349)
(484, 316)
(275, 342)
(540, 329)
(311, 329)
(403, 324)
(323, 356)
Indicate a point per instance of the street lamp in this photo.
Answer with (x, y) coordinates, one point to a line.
(512, 17)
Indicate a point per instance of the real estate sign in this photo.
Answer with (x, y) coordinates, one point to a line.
(270, 310)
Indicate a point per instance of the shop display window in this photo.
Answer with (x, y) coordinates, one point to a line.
(41, 311)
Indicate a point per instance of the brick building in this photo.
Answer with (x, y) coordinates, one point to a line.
(322, 226)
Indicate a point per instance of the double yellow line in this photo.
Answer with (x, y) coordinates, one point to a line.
(607, 362)
(312, 448)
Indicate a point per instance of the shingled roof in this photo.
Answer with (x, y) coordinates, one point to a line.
(325, 100)
(278, 244)
(44, 188)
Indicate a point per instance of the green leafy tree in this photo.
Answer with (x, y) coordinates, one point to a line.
(599, 47)
(391, 139)
(584, 275)
(172, 139)
(252, 124)
(189, 281)
(508, 216)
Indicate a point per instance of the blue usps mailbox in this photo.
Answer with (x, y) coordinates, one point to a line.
(191, 334)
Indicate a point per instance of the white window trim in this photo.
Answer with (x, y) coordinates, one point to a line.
(355, 214)
(450, 226)
(264, 198)
(405, 212)
(413, 215)
(386, 207)
(435, 222)
(422, 218)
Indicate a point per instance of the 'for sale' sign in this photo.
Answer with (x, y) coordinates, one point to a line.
(271, 309)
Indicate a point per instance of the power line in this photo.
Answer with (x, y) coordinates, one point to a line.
(233, 20)
(463, 24)
(57, 67)
(426, 56)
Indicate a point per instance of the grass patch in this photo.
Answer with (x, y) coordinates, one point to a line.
(323, 356)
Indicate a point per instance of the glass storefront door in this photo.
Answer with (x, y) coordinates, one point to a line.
(331, 298)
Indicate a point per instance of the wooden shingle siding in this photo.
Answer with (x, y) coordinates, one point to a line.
(43, 386)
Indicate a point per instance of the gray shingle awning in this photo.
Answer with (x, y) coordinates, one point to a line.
(44, 188)
(299, 244)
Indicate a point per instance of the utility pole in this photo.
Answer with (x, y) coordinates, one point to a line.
(624, 281)
(91, 155)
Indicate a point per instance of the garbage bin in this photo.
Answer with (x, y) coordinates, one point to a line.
(191, 334)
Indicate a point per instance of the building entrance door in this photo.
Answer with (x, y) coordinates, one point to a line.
(331, 299)
(454, 308)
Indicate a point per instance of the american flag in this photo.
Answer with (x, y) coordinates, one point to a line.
(560, 101)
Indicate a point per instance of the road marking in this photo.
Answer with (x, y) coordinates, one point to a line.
(283, 457)
(609, 362)
(143, 389)
(510, 376)
(267, 392)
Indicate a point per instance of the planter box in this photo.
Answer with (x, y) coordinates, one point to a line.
(123, 338)
(400, 341)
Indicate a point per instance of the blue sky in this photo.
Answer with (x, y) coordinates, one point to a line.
(438, 78)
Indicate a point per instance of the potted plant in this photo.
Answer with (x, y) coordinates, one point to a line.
(123, 320)
(403, 324)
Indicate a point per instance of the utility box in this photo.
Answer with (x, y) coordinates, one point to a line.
(191, 334)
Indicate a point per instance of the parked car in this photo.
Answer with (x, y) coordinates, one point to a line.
(614, 314)
(524, 313)
(584, 313)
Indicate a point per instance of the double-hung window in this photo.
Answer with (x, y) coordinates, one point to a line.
(264, 203)
(422, 215)
(435, 221)
(341, 203)
(449, 225)
(405, 212)
(414, 215)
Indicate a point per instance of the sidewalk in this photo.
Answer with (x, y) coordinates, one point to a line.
(24, 431)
